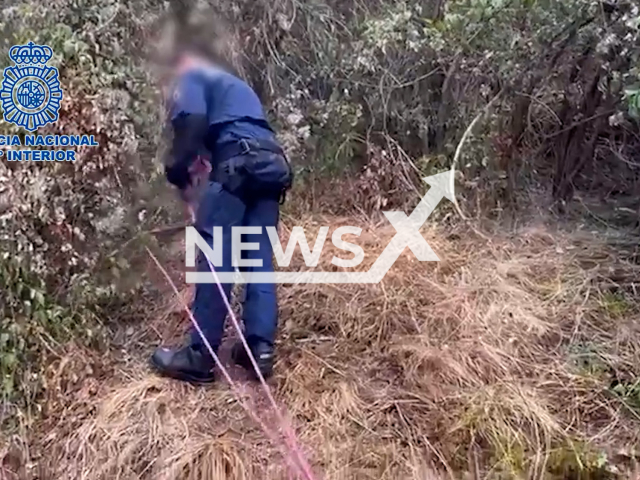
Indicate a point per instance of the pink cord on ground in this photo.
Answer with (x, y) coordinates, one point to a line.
(289, 433)
(290, 459)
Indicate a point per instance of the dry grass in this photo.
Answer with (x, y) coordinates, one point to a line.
(497, 362)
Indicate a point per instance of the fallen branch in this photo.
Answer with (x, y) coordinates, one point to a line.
(171, 228)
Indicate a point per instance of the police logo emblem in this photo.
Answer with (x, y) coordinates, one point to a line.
(31, 92)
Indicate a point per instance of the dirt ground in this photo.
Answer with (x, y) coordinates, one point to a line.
(514, 357)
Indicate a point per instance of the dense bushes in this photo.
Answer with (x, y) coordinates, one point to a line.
(413, 75)
(62, 221)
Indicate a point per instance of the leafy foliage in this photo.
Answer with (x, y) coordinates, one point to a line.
(61, 222)
(421, 73)
(32, 327)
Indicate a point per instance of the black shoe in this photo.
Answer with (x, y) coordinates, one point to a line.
(262, 353)
(186, 363)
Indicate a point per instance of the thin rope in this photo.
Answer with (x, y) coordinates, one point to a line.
(287, 453)
(289, 433)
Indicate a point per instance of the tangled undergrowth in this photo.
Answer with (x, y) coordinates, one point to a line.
(511, 358)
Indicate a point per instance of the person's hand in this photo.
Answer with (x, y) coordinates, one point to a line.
(199, 172)
(200, 169)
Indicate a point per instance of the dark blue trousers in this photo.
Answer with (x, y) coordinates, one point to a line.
(220, 208)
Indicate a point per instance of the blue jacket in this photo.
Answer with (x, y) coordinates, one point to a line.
(211, 108)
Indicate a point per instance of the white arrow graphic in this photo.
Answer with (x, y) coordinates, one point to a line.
(408, 228)
(407, 235)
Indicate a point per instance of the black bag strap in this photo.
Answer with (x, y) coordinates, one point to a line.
(246, 147)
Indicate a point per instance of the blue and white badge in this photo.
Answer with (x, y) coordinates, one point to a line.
(31, 93)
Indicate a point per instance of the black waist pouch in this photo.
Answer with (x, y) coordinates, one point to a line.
(257, 172)
(268, 172)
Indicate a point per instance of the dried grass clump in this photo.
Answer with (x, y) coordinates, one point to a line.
(497, 362)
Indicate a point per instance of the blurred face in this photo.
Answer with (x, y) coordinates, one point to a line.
(180, 63)
(188, 60)
(167, 73)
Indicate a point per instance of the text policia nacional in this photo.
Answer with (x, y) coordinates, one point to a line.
(23, 154)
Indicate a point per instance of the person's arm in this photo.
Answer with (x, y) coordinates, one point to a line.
(189, 121)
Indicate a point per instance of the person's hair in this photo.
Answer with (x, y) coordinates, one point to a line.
(197, 46)
(187, 30)
(198, 33)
